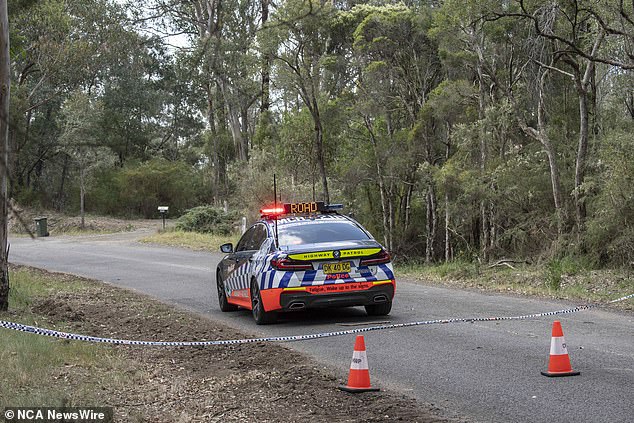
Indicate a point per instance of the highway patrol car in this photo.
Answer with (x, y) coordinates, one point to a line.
(305, 255)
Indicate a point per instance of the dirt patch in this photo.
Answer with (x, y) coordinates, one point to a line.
(262, 382)
(53, 309)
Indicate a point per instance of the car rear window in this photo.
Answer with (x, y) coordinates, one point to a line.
(319, 231)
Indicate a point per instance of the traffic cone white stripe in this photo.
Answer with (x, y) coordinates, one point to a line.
(558, 346)
(359, 361)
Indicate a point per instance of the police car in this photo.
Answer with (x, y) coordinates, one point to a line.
(303, 256)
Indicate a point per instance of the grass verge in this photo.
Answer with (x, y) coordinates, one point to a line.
(192, 240)
(563, 279)
(41, 371)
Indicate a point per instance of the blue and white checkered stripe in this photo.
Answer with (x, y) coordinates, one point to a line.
(272, 278)
(57, 334)
(240, 278)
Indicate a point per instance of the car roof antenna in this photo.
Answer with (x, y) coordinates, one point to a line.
(277, 241)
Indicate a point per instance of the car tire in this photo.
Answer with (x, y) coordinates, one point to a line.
(222, 295)
(382, 309)
(260, 316)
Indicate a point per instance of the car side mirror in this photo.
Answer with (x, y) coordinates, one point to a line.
(227, 248)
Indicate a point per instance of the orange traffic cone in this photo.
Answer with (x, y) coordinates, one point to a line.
(559, 364)
(359, 377)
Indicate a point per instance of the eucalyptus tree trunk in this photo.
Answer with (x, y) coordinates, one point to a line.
(582, 85)
(407, 212)
(582, 154)
(319, 147)
(211, 122)
(386, 206)
(484, 206)
(541, 135)
(265, 103)
(447, 213)
(244, 122)
(432, 222)
(62, 182)
(207, 18)
(82, 195)
(5, 86)
(447, 222)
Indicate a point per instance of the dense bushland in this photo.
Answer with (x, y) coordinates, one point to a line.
(454, 130)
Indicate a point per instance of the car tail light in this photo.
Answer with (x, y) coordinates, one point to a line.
(378, 258)
(289, 264)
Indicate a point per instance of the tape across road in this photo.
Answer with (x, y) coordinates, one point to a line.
(63, 335)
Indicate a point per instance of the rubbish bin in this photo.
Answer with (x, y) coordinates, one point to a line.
(41, 226)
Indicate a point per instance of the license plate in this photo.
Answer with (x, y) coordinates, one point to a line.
(330, 268)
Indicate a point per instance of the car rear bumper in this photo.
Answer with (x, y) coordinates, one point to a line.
(377, 293)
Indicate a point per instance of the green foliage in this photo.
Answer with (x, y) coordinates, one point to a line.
(553, 274)
(610, 235)
(154, 183)
(454, 270)
(557, 268)
(28, 285)
(137, 190)
(207, 220)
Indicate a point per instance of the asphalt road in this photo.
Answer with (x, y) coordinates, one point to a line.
(481, 372)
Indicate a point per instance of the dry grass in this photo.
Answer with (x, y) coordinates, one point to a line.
(566, 282)
(192, 240)
(36, 370)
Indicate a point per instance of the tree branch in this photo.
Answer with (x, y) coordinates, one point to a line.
(544, 65)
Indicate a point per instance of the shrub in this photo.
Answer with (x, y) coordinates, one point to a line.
(610, 235)
(138, 189)
(207, 219)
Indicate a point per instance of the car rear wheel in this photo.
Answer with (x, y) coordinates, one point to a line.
(260, 316)
(382, 309)
(222, 295)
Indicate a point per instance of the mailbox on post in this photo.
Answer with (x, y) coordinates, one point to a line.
(163, 210)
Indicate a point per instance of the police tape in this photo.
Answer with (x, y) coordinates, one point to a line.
(72, 336)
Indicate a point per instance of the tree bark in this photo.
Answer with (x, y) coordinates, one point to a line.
(244, 122)
(385, 202)
(265, 104)
(580, 164)
(447, 222)
(484, 215)
(432, 221)
(5, 88)
(60, 193)
(319, 146)
(447, 213)
(541, 135)
(408, 205)
(82, 196)
(583, 82)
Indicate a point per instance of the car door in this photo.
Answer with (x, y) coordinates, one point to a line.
(238, 282)
(235, 262)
